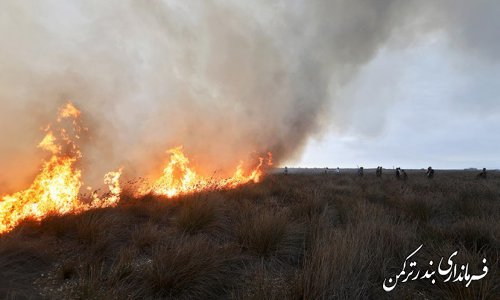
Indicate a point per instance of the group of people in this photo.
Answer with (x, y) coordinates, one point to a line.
(400, 173)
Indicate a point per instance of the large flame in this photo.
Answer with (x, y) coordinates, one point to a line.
(180, 178)
(55, 190)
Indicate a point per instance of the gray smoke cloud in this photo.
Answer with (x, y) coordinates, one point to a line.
(229, 80)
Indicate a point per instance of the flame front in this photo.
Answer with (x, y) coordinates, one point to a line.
(180, 178)
(55, 190)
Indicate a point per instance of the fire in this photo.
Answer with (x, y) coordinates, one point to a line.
(68, 111)
(48, 143)
(112, 179)
(55, 190)
(180, 178)
(269, 159)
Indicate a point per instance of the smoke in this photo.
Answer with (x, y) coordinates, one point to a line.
(228, 80)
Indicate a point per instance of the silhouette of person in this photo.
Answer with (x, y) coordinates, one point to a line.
(430, 172)
(405, 176)
(483, 174)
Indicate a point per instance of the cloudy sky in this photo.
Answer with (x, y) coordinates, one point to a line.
(444, 111)
(407, 83)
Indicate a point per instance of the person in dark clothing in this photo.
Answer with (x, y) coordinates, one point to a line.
(398, 173)
(482, 174)
(286, 170)
(379, 172)
(430, 172)
(360, 171)
(405, 176)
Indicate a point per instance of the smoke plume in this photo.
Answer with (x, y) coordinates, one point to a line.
(229, 80)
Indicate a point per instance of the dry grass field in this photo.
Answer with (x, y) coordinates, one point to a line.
(314, 236)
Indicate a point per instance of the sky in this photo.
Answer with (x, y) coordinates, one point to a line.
(444, 112)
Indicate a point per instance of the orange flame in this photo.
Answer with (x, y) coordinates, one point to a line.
(269, 159)
(179, 178)
(55, 189)
(67, 111)
(112, 179)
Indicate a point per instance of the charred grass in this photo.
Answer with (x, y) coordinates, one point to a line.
(289, 237)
